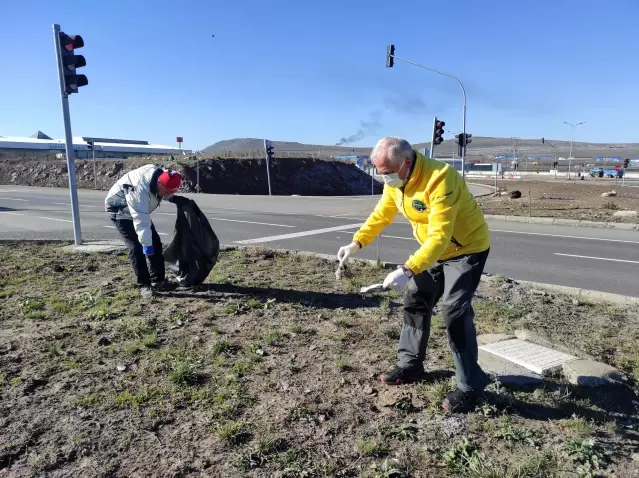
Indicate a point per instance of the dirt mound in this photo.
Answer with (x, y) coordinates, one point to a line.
(306, 176)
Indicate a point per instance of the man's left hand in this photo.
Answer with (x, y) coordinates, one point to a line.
(396, 280)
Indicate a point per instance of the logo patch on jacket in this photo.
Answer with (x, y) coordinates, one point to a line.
(419, 206)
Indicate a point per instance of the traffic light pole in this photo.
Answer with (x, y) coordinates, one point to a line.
(268, 173)
(75, 210)
(463, 155)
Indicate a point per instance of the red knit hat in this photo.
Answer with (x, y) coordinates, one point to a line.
(171, 180)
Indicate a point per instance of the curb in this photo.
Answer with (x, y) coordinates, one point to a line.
(592, 295)
(556, 221)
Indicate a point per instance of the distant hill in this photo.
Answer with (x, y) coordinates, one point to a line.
(480, 147)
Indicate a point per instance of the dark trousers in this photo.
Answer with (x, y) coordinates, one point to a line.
(137, 257)
(455, 282)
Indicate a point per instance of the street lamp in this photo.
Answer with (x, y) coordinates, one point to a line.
(390, 58)
(571, 140)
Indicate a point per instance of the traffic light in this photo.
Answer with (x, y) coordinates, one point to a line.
(626, 163)
(390, 56)
(70, 62)
(467, 139)
(438, 132)
(459, 139)
(268, 146)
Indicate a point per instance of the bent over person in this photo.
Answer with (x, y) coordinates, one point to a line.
(454, 245)
(129, 204)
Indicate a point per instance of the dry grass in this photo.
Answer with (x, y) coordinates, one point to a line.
(267, 375)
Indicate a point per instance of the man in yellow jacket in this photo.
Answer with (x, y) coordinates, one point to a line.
(454, 245)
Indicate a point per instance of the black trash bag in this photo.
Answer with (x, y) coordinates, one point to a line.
(194, 249)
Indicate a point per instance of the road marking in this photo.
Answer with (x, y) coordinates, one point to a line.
(567, 237)
(16, 199)
(596, 258)
(54, 219)
(249, 222)
(160, 233)
(68, 204)
(297, 234)
(12, 213)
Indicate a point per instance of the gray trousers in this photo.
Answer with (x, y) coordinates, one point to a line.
(455, 282)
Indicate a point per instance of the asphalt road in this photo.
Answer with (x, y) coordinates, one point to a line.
(597, 259)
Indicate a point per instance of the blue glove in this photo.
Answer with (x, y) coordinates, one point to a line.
(148, 250)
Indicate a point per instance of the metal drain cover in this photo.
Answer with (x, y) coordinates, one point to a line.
(535, 358)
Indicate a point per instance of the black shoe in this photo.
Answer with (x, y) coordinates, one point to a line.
(400, 375)
(163, 286)
(459, 401)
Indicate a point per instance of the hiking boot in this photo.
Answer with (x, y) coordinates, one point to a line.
(146, 292)
(163, 286)
(459, 401)
(399, 375)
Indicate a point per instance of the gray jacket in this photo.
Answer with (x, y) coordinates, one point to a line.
(134, 197)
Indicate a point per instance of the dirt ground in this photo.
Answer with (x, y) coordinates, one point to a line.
(267, 370)
(571, 200)
(303, 176)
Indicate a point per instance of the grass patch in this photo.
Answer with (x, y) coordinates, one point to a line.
(371, 448)
(233, 433)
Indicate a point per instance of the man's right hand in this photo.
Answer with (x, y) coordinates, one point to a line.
(346, 251)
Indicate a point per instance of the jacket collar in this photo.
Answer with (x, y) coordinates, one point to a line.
(417, 172)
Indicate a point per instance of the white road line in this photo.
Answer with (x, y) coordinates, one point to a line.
(68, 204)
(54, 219)
(15, 199)
(596, 258)
(12, 213)
(248, 222)
(342, 217)
(160, 233)
(297, 234)
(567, 237)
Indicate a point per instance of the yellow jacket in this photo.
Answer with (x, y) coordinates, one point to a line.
(445, 217)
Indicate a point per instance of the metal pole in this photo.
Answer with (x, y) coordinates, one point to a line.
(572, 138)
(463, 158)
(75, 210)
(268, 174)
(95, 177)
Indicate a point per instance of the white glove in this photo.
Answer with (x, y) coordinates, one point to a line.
(396, 280)
(347, 251)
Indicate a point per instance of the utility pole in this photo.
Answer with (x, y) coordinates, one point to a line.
(572, 138)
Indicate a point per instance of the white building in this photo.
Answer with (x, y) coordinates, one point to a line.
(39, 144)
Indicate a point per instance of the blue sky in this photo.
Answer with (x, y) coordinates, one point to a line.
(315, 71)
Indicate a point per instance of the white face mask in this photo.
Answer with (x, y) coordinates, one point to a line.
(393, 180)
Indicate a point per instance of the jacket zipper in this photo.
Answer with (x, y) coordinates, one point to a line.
(454, 241)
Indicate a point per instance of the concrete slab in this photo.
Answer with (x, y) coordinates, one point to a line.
(566, 222)
(537, 359)
(485, 339)
(589, 373)
(508, 372)
(96, 247)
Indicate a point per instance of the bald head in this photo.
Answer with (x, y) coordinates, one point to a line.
(390, 154)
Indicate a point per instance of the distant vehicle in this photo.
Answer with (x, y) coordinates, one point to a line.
(605, 173)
